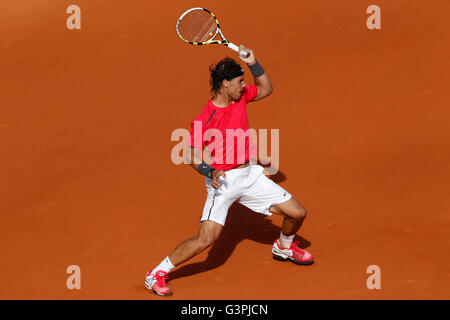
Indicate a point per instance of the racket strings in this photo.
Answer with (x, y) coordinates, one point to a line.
(198, 26)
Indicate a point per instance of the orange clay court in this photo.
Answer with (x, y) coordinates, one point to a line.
(86, 176)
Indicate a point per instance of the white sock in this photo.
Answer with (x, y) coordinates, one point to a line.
(165, 265)
(285, 241)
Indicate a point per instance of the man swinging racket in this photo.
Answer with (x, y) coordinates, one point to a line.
(230, 177)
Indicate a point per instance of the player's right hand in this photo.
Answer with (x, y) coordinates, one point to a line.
(215, 178)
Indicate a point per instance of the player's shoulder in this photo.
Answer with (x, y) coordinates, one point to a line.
(250, 92)
(250, 87)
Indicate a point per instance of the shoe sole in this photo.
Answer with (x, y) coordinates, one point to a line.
(157, 293)
(303, 263)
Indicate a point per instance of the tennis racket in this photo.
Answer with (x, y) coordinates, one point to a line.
(199, 26)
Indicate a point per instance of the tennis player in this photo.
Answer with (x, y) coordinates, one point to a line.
(232, 176)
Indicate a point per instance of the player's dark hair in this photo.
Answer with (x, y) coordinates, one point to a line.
(225, 69)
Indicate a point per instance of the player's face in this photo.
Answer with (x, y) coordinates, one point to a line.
(236, 87)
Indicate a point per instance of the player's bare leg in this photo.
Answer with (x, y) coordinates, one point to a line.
(208, 234)
(294, 214)
(283, 248)
(156, 279)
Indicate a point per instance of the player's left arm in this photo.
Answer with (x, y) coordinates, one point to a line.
(260, 76)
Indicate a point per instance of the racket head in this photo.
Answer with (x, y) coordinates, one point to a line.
(198, 26)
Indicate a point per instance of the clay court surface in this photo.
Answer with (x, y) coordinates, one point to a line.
(86, 176)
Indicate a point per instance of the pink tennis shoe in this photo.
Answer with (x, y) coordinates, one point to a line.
(157, 283)
(294, 254)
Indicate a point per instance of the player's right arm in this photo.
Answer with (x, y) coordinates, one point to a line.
(195, 160)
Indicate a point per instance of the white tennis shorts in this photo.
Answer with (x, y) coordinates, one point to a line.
(249, 186)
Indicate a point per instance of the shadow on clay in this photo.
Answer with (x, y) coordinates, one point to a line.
(241, 224)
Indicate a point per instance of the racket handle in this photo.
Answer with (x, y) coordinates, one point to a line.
(243, 54)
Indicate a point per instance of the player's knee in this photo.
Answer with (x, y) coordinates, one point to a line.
(299, 213)
(207, 240)
(303, 213)
(205, 243)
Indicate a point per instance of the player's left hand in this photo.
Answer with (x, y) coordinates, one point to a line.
(251, 58)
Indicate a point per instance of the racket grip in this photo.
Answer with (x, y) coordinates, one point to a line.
(243, 54)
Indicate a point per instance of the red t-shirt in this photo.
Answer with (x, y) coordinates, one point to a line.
(225, 132)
